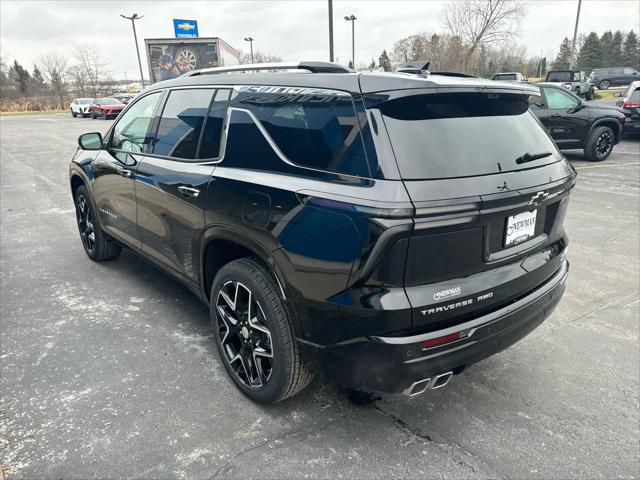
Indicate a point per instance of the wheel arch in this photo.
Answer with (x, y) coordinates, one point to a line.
(222, 244)
(612, 123)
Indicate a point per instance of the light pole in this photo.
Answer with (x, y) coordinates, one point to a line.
(331, 30)
(575, 34)
(133, 19)
(352, 18)
(250, 40)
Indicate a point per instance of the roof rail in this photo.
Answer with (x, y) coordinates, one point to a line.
(311, 67)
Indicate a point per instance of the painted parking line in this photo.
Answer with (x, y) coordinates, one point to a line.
(609, 165)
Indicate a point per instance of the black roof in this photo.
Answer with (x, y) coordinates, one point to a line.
(362, 82)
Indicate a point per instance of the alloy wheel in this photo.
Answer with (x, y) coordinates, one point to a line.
(245, 339)
(186, 60)
(604, 144)
(85, 224)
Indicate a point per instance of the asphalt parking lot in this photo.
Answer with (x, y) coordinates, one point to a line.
(110, 370)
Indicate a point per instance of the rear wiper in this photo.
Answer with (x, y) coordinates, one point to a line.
(529, 157)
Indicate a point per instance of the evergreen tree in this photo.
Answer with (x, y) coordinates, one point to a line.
(616, 50)
(384, 61)
(350, 64)
(563, 60)
(372, 65)
(606, 49)
(22, 78)
(38, 84)
(631, 51)
(590, 54)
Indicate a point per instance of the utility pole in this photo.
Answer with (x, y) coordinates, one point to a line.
(575, 35)
(331, 30)
(250, 40)
(352, 18)
(133, 19)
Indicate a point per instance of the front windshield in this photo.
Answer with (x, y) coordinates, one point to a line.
(108, 101)
(85, 101)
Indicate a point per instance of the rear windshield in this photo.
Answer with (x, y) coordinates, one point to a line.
(505, 76)
(559, 77)
(464, 134)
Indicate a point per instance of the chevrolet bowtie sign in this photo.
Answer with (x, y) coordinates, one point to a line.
(185, 28)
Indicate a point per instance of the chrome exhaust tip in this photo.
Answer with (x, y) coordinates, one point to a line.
(441, 380)
(421, 386)
(416, 388)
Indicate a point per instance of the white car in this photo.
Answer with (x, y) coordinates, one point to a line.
(81, 107)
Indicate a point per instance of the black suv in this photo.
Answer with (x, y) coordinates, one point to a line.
(379, 230)
(603, 78)
(573, 123)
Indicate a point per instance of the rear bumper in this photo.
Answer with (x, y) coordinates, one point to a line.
(393, 364)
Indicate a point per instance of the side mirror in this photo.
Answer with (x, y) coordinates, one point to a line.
(90, 141)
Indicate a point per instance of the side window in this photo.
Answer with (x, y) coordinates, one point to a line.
(210, 145)
(616, 71)
(131, 132)
(629, 71)
(559, 99)
(536, 102)
(313, 128)
(181, 123)
(635, 96)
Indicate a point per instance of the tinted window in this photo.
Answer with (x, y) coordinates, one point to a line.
(181, 123)
(559, 77)
(313, 128)
(629, 71)
(130, 133)
(616, 71)
(210, 146)
(635, 96)
(559, 99)
(463, 134)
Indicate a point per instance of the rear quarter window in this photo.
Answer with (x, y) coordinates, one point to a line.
(313, 128)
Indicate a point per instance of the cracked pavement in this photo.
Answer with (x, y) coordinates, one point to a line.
(109, 370)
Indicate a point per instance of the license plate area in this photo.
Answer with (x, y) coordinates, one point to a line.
(520, 227)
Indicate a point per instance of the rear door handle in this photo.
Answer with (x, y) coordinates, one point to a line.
(188, 191)
(126, 173)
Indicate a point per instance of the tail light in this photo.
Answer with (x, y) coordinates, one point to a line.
(626, 103)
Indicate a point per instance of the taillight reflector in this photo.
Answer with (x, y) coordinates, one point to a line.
(440, 340)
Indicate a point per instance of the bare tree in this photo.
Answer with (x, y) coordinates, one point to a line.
(54, 69)
(90, 68)
(259, 57)
(481, 22)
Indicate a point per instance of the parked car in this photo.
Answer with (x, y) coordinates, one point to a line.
(81, 107)
(603, 78)
(509, 77)
(335, 224)
(630, 103)
(574, 80)
(575, 124)
(124, 98)
(106, 107)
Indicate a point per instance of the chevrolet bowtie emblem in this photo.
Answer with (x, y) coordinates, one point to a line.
(538, 198)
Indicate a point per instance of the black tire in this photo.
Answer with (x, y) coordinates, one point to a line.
(589, 94)
(97, 245)
(73, 114)
(604, 85)
(93, 117)
(599, 144)
(260, 356)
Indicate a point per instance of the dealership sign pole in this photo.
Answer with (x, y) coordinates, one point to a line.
(133, 18)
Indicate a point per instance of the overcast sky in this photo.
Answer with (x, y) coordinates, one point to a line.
(294, 29)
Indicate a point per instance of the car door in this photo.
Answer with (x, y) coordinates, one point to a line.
(171, 181)
(565, 121)
(114, 170)
(630, 75)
